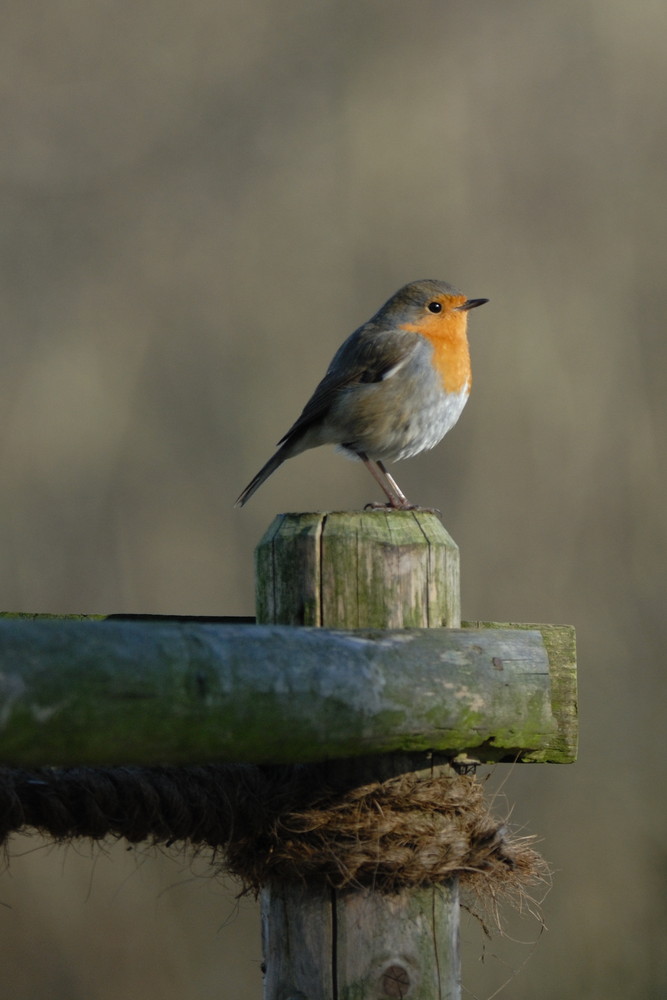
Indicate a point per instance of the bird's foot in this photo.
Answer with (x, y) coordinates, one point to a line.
(375, 505)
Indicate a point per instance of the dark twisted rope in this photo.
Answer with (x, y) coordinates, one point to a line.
(281, 823)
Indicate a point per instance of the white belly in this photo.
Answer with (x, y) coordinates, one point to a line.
(424, 428)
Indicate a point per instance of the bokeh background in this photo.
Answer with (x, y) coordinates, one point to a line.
(198, 202)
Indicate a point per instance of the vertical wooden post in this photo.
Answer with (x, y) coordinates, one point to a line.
(357, 570)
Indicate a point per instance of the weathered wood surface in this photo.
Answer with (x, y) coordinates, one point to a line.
(362, 571)
(384, 944)
(375, 569)
(116, 691)
(561, 647)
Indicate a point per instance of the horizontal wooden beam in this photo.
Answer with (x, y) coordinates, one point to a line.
(143, 691)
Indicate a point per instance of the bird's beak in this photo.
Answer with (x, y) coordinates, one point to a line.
(471, 304)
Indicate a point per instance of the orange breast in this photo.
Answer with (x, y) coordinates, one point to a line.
(451, 355)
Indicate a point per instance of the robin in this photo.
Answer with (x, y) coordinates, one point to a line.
(394, 387)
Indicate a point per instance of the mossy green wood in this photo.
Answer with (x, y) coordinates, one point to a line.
(84, 691)
(561, 649)
(288, 571)
(374, 569)
(362, 571)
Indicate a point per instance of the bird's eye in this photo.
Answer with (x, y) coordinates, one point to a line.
(435, 307)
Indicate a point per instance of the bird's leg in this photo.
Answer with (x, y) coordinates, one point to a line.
(397, 499)
(405, 503)
(403, 500)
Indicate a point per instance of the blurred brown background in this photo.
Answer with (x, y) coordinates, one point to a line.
(199, 201)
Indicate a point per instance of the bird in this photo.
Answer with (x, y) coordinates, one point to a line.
(393, 389)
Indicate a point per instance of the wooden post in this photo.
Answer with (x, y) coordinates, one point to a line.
(359, 570)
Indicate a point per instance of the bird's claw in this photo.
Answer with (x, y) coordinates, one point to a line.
(375, 505)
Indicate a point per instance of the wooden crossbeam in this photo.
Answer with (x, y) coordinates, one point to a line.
(141, 691)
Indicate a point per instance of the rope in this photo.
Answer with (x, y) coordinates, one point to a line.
(280, 823)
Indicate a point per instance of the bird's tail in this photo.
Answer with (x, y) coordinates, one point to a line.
(263, 474)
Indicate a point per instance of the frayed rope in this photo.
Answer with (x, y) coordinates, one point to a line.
(281, 823)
